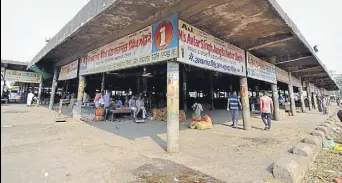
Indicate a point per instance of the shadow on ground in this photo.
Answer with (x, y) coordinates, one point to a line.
(167, 171)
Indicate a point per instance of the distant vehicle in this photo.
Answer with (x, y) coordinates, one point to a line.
(14, 97)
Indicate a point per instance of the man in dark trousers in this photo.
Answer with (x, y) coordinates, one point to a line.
(339, 114)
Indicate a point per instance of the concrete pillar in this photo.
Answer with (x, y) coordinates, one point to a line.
(3, 80)
(172, 107)
(80, 93)
(67, 87)
(309, 95)
(2, 86)
(315, 101)
(301, 94)
(40, 90)
(212, 91)
(292, 100)
(275, 101)
(53, 88)
(32, 87)
(245, 103)
(185, 94)
(27, 87)
(103, 82)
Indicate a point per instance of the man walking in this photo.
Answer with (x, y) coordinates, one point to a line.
(30, 97)
(233, 106)
(266, 109)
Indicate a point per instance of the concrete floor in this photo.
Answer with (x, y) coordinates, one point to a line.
(33, 146)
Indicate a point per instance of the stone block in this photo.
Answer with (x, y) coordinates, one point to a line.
(326, 125)
(290, 168)
(329, 122)
(323, 129)
(314, 140)
(318, 133)
(307, 150)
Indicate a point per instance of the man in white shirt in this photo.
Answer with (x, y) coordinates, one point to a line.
(30, 97)
(132, 105)
(140, 106)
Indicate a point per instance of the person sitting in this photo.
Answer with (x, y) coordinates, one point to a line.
(119, 103)
(140, 106)
(126, 101)
(281, 100)
(132, 105)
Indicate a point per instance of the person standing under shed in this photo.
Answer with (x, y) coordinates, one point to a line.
(30, 97)
(107, 104)
(266, 109)
(233, 106)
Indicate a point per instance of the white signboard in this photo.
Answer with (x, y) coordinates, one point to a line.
(282, 76)
(261, 70)
(69, 71)
(203, 50)
(22, 76)
(127, 51)
(296, 82)
(152, 44)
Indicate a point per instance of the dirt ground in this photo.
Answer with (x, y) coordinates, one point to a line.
(36, 149)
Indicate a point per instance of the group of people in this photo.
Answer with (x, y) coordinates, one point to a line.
(105, 103)
(266, 109)
(137, 104)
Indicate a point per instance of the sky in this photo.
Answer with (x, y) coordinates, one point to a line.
(24, 28)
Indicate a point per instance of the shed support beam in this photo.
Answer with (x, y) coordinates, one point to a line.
(307, 69)
(271, 43)
(301, 92)
(292, 101)
(172, 107)
(185, 94)
(212, 91)
(53, 88)
(40, 90)
(275, 101)
(309, 95)
(315, 101)
(103, 82)
(245, 103)
(294, 60)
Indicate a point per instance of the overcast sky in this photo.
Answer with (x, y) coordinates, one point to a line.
(24, 27)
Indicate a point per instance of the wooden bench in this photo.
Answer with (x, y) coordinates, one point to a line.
(4, 100)
(120, 111)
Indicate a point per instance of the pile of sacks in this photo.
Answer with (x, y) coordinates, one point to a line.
(161, 115)
(182, 115)
(201, 123)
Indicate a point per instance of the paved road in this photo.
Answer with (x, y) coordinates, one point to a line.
(35, 149)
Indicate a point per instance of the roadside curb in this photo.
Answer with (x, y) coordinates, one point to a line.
(293, 166)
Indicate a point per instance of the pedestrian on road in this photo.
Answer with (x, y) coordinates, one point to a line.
(233, 106)
(266, 109)
(339, 115)
(30, 97)
(324, 105)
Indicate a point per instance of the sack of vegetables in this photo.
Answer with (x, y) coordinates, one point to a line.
(201, 123)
